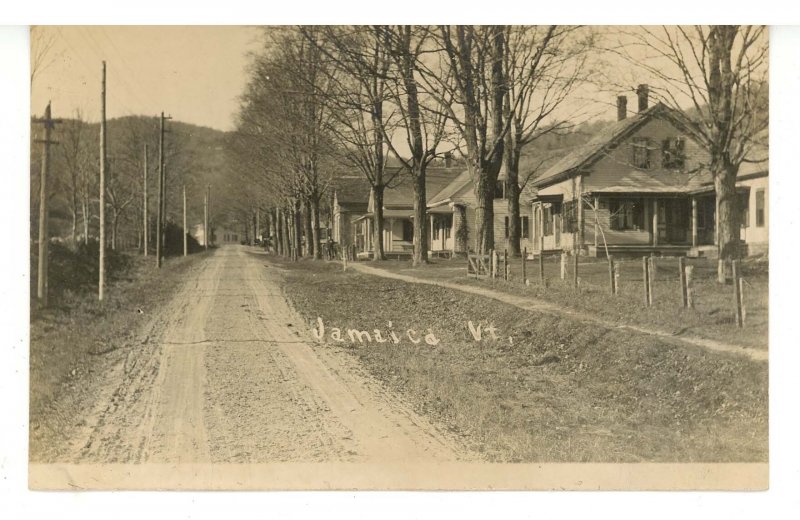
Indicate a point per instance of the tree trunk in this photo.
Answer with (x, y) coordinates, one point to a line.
(298, 230)
(267, 230)
(484, 211)
(279, 232)
(420, 217)
(287, 233)
(377, 228)
(462, 238)
(255, 230)
(85, 211)
(307, 225)
(114, 223)
(74, 224)
(728, 216)
(317, 250)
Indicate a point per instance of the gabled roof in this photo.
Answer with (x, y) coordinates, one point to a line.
(583, 155)
(447, 192)
(436, 178)
(351, 190)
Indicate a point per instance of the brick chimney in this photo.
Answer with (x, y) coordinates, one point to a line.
(448, 159)
(642, 92)
(622, 107)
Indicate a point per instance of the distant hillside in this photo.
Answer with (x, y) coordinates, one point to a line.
(194, 157)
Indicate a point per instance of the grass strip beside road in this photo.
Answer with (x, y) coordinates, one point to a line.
(557, 391)
(713, 316)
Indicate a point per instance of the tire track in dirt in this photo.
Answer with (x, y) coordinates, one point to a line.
(227, 374)
(384, 428)
(134, 423)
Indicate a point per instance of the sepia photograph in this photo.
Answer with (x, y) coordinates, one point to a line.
(399, 257)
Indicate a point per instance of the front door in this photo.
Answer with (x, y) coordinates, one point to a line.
(676, 218)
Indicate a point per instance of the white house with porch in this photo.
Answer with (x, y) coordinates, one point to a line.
(638, 187)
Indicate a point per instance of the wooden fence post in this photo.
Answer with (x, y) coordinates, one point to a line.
(646, 280)
(563, 266)
(737, 296)
(741, 300)
(541, 262)
(689, 288)
(505, 264)
(611, 275)
(682, 279)
(525, 265)
(651, 271)
(492, 264)
(575, 268)
(616, 278)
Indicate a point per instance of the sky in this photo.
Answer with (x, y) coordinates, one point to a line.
(193, 73)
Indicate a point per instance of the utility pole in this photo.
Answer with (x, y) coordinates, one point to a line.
(162, 195)
(185, 243)
(102, 281)
(145, 227)
(206, 237)
(44, 233)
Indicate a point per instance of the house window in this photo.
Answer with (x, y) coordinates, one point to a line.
(447, 224)
(408, 231)
(500, 189)
(436, 224)
(673, 153)
(641, 152)
(569, 220)
(760, 208)
(547, 220)
(525, 228)
(626, 214)
(744, 206)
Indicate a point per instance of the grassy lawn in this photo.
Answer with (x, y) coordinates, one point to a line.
(557, 391)
(713, 316)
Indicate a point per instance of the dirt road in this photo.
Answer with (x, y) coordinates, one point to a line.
(230, 374)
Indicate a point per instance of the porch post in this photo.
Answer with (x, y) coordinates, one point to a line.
(453, 230)
(430, 217)
(694, 221)
(655, 222)
(388, 246)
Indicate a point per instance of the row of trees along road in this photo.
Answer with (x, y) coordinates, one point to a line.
(324, 101)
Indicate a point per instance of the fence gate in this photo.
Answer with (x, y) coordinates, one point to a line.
(478, 265)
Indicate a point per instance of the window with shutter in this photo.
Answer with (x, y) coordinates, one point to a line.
(641, 152)
(673, 153)
(760, 208)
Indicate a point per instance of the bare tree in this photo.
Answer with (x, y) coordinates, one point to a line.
(42, 43)
(422, 121)
(76, 158)
(716, 77)
(543, 66)
(469, 67)
(357, 98)
(281, 131)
